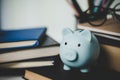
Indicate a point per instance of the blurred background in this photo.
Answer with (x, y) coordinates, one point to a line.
(22, 14)
(53, 14)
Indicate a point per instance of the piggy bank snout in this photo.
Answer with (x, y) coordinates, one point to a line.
(71, 55)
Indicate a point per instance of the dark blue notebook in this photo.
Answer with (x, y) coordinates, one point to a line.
(21, 38)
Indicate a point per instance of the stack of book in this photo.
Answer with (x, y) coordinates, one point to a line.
(110, 30)
(27, 48)
(109, 38)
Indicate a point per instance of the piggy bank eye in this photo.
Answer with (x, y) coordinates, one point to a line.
(79, 45)
(65, 43)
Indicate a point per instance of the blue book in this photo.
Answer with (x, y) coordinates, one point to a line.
(25, 38)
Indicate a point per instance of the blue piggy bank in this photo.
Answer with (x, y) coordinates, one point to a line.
(78, 49)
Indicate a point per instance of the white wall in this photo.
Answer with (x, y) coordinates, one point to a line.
(55, 14)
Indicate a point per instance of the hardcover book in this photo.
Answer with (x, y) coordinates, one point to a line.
(111, 28)
(21, 38)
(28, 54)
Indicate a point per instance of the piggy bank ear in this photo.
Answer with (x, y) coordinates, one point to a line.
(67, 31)
(87, 34)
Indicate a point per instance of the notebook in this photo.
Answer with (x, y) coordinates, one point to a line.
(21, 38)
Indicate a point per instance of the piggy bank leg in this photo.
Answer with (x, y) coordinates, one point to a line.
(85, 70)
(65, 67)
